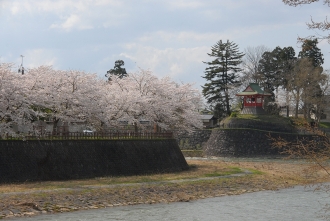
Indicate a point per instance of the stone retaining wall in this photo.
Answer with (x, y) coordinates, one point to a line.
(245, 142)
(194, 140)
(61, 160)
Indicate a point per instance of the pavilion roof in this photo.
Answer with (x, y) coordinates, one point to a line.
(253, 89)
(207, 116)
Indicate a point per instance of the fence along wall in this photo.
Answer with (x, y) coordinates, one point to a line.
(120, 135)
(65, 159)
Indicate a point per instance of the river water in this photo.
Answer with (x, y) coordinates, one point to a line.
(298, 203)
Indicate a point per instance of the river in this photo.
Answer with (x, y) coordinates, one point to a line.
(298, 203)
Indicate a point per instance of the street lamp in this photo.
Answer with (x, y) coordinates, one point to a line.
(21, 68)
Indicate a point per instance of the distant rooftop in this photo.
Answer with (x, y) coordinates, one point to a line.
(207, 116)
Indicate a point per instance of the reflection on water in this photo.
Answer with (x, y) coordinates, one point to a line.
(297, 203)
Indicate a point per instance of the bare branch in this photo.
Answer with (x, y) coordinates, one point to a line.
(303, 2)
(322, 26)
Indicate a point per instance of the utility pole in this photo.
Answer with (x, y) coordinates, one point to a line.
(21, 68)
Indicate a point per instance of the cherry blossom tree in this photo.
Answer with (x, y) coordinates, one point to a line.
(63, 95)
(169, 105)
(69, 96)
(14, 104)
(143, 97)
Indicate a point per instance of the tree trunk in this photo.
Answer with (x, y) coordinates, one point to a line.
(287, 104)
(136, 129)
(297, 104)
(55, 122)
(227, 103)
(156, 128)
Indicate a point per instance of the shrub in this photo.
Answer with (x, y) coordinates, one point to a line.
(233, 114)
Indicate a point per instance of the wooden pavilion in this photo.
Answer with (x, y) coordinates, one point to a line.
(253, 99)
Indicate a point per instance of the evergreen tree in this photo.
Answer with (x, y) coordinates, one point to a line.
(312, 92)
(221, 73)
(288, 59)
(117, 70)
(275, 68)
(310, 50)
(268, 69)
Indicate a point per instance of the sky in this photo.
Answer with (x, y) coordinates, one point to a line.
(168, 37)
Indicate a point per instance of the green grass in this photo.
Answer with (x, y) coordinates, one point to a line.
(251, 118)
(256, 172)
(264, 118)
(231, 170)
(324, 124)
(146, 179)
(199, 170)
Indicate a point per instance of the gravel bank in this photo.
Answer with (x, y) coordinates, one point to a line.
(274, 175)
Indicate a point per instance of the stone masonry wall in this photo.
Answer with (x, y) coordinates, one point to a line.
(194, 140)
(22, 161)
(245, 142)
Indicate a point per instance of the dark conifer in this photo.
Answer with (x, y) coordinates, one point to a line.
(117, 70)
(221, 74)
(310, 50)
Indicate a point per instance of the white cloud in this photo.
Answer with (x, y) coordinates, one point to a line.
(159, 51)
(185, 3)
(199, 39)
(70, 14)
(57, 6)
(32, 58)
(173, 62)
(178, 53)
(183, 36)
(73, 21)
(14, 9)
(38, 57)
(200, 4)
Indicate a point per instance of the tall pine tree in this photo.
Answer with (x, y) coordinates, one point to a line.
(221, 74)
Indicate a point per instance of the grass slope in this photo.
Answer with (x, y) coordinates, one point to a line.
(269, 119)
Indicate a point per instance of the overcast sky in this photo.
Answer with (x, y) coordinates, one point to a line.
(169, 37)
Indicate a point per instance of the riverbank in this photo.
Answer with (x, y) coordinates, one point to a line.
(206, 178)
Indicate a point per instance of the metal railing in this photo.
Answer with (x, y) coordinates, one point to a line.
(122, 135)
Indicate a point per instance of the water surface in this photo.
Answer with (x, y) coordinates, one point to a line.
(298, 203)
